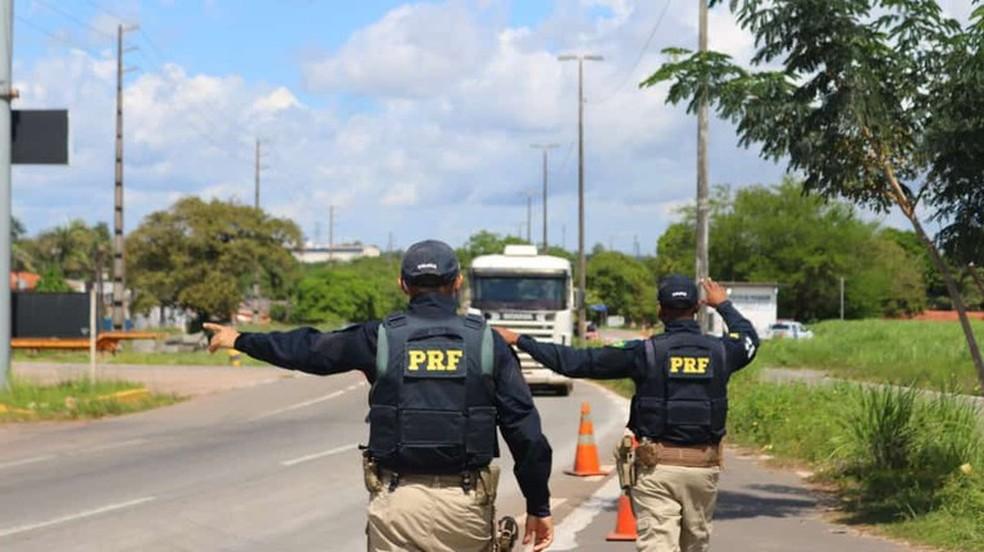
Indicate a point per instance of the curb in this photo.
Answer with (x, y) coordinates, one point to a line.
(130, 395)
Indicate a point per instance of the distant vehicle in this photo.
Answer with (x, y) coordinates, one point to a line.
(788, 329)
(529, 294)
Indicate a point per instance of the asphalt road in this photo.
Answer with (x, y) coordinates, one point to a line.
(270, 467)
(275, 467)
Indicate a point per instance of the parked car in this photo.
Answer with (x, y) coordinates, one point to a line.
(788, 329)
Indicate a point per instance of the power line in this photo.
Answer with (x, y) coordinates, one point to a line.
(54, 36)
(74, 18)
(642, 53)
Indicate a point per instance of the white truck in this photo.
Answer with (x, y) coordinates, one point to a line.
(530, 294)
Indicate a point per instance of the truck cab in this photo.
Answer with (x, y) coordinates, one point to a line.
(529, 294)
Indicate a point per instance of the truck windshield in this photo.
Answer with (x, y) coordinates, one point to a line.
(519, 292)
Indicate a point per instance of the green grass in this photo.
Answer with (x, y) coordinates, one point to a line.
(75, 399)
(931, 355)
(894, 455)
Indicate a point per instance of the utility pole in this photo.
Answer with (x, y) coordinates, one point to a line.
(6, 96)
(703, 190)
(545, 148)
(331, 232)
(256, 184)
(635, 246)
(256, 205)
(582, 321)
(529, 218)
(119, 267)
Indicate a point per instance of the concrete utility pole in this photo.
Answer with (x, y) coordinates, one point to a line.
(331, 232)
(545, 148)
(119, 266)
(582, 315)
(842, 298)
(703, 191)
(6, 95)
(256, 184)
(529, 218)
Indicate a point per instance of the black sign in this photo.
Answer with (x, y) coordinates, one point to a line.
(39, 137)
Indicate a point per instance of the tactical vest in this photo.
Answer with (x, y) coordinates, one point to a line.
(431, 408)
(682, 396)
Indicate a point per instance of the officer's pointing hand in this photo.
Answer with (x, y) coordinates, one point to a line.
(223, 337)
(508, 335)
(714, 293)
(539, 531)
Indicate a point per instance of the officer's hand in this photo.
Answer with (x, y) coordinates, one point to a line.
(714, 293)
(508, 335)
(223, 337)
(539, 531)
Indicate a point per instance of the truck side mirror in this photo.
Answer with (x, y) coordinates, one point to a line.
(578, 299)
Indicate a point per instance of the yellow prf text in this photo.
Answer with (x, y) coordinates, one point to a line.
(689, 365)
(434, 360)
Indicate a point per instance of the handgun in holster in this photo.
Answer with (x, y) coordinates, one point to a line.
(625, 462)
(370, 472)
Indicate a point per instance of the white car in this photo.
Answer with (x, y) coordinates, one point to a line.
(788, 329)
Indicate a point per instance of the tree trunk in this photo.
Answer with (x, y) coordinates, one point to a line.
(908, 209)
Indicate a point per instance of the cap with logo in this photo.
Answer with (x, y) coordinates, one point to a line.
(429, 263)
(678, 292)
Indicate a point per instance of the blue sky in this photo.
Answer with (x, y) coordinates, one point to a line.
(412, 118)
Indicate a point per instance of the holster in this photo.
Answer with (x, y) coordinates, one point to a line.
(370, 473)
(625, 459)
(487, 484)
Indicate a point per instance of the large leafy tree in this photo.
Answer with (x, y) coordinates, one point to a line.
(365, 289)
(73, 250)
(203, 256)
(623, 284)
(876, 101)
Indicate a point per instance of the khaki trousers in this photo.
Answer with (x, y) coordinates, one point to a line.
(673, 507)
(430, 514)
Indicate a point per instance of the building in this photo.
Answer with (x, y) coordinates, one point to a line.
(758, 302)
(346, 252)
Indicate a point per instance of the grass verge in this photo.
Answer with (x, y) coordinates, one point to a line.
(926, 354)
(907, 463)
(75, 400)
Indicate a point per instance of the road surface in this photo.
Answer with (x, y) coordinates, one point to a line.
(275, 467)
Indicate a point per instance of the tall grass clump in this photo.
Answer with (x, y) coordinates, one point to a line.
(25, 400)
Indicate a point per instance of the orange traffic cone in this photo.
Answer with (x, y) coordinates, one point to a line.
(586, 455)
(625, 523)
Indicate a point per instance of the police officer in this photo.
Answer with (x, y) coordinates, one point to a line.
(441, 383)
(678, 410)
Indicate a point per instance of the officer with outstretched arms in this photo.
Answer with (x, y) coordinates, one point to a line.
(441, 383)
(677, 413)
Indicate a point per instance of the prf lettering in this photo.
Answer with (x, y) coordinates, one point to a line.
(434, 360)
(689, 365)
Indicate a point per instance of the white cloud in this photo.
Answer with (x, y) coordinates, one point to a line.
(446, 99)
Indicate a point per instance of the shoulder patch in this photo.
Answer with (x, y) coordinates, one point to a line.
(623, 344)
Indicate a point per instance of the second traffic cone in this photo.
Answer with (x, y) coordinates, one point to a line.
(586, 455)
(625, 523)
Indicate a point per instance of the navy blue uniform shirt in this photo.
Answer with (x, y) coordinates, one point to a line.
(354, 348)
(629, 359)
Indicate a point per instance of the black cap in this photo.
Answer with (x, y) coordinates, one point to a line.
(678, 292)
(429, 263)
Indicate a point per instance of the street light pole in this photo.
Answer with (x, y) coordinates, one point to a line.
(581, 260)
(703, 191)
(6, 95)
(545, 148)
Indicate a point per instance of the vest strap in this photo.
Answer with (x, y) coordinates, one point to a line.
(382, 351)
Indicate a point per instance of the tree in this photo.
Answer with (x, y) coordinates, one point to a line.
(623, 284)
(203, 256)
(485, 243)
(875, 101)
(362, 290)
(76, 249)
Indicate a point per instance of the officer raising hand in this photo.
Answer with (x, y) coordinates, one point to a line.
(678, 411)
(441, 384)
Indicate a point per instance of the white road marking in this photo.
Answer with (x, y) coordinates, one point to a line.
(24, 461)
(87, 513)
(321, 399)
(317, 455)
(110, 446)
(582, 516)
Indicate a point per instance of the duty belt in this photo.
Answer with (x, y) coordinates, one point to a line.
(653, 453)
